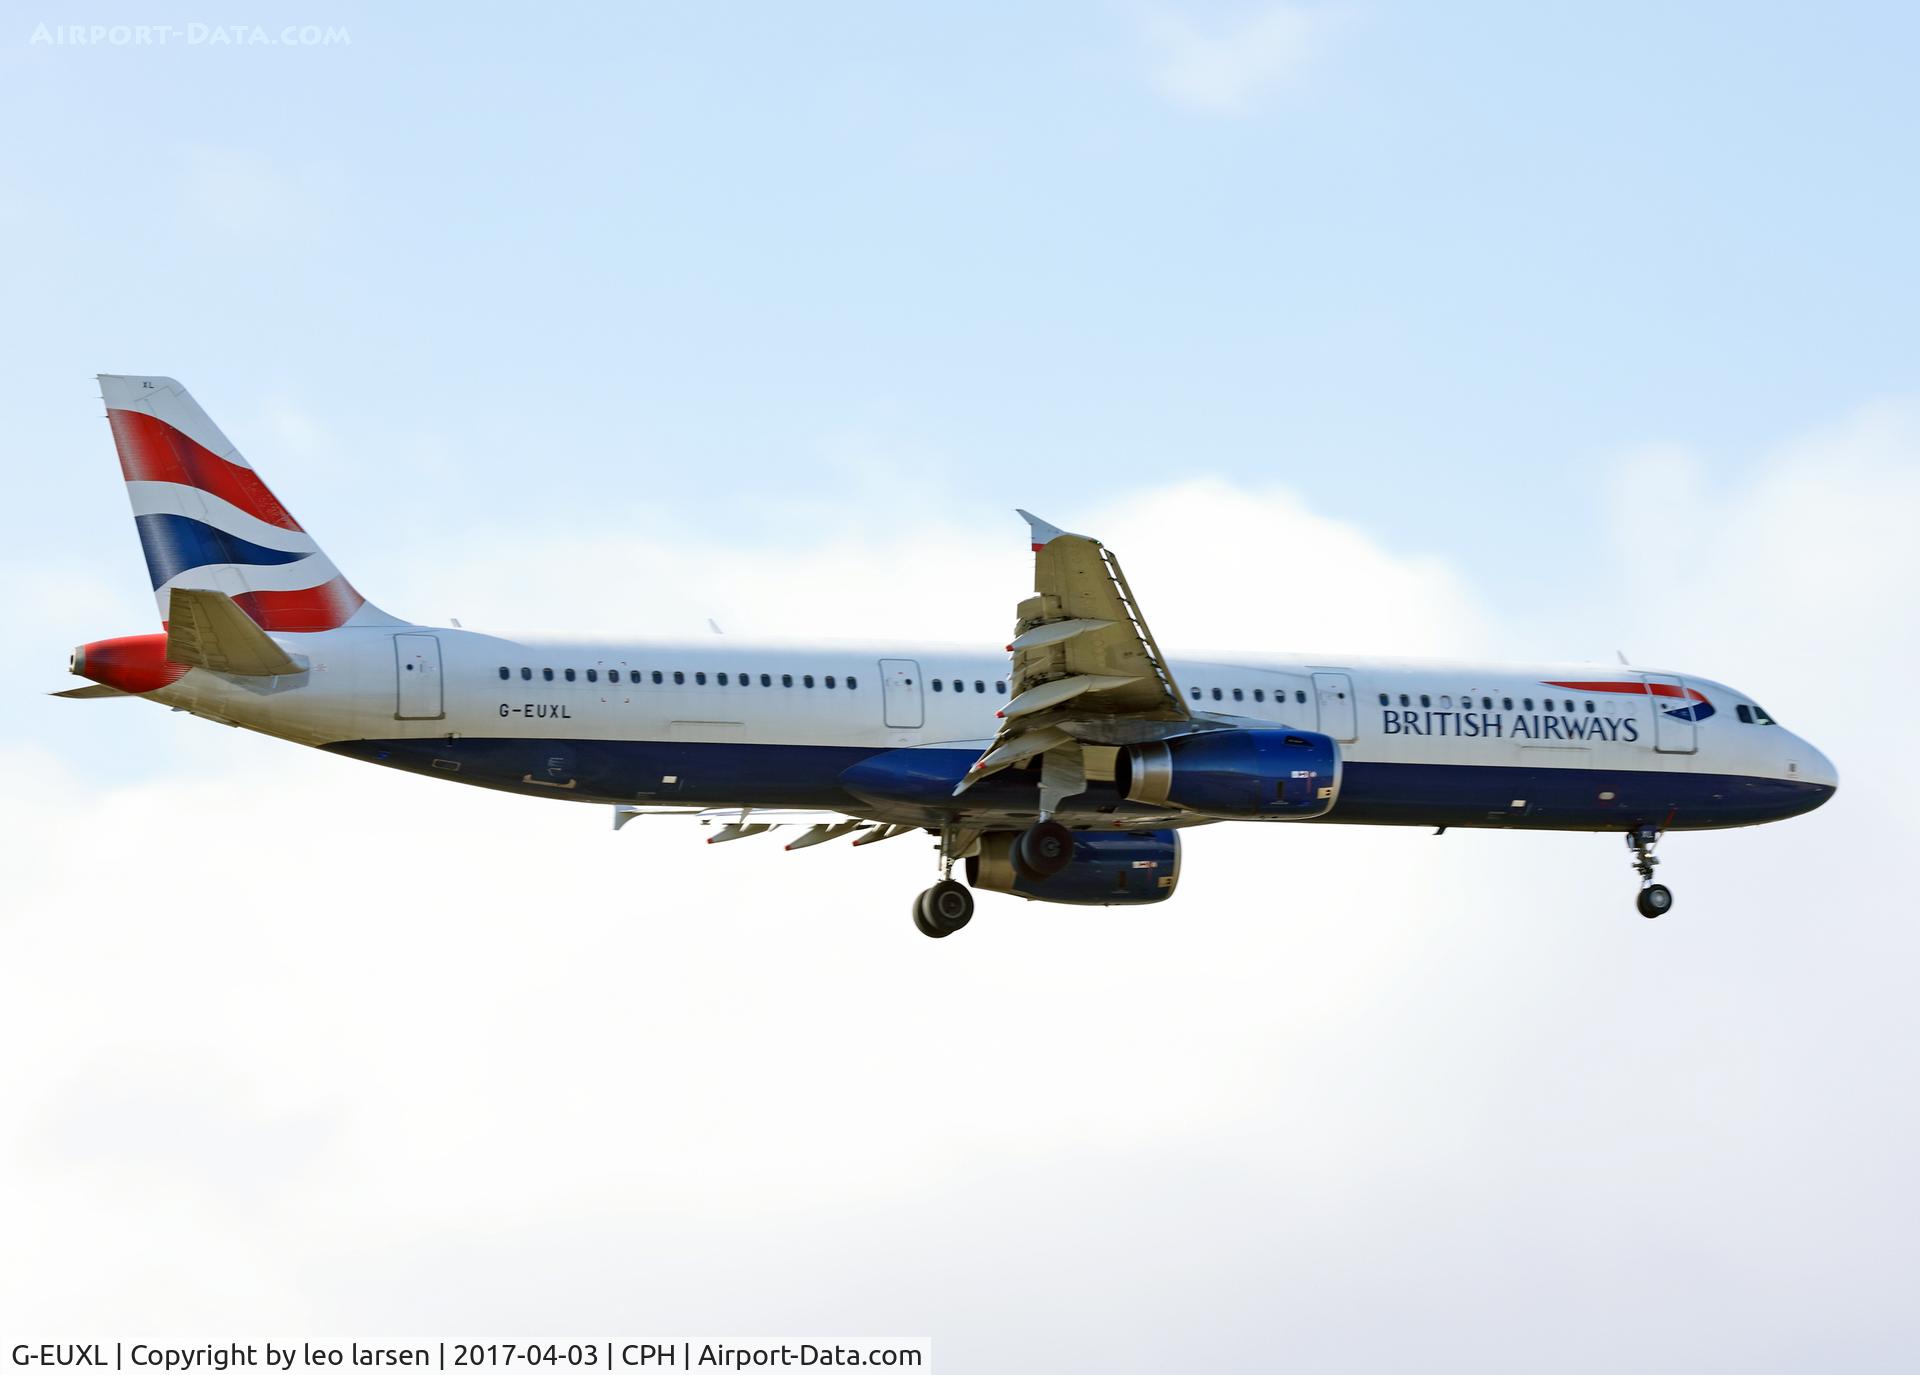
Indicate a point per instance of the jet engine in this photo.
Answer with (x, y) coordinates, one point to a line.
(1108, 868)
(1242, 775)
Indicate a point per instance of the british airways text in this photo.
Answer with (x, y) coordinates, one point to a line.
(1520, 726)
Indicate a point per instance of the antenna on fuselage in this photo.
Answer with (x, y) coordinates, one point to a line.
(1621, 656)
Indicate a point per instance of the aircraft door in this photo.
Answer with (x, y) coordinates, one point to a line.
(900, 693)
(416, 661)
(1673, 728)
(1334, 692)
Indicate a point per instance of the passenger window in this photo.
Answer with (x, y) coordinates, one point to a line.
(939, 685)
(1744, 712)
(1405, 700)
(979, 686)
(828, 680)
(1216, 694)
(1486, 704)
(700, 679)
(1425, 700)
(1196, 693)
(505, 673)
(1238, 696)
(547, 673)
(766, 680)
(1527, 703)
(593, 676)
(1506, 704)
(720, 678)
(1589, 708)
(1000, 688)
(526, 675)
(786, 680)
(1384, 699)
(679, 677)
(569, 675)
(1259, 694)
(1445, 701)
(852, 682)
(657, 678)
(807, 680)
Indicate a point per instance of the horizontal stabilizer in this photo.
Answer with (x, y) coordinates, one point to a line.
(89, 692)
(206, 629)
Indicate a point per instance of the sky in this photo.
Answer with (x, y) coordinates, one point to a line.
(1490, 330)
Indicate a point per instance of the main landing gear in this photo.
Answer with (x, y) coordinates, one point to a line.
(1043, 850)
(1655, 899)
(947, 906)
(943, 909)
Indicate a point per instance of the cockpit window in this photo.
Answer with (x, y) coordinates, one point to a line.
(1744, 712)
(1760, 715)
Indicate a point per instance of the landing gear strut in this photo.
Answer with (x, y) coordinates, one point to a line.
(1655, 899)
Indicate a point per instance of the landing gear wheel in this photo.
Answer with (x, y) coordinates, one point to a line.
(920, 918)
(1045, 848)
(943, 909)
(1654, 900)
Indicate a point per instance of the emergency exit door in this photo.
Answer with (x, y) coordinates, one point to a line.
(1338, 715)
(416, 666)
(900, 693)
(1673, 730)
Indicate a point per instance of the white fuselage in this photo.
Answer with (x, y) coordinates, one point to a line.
(718, 721)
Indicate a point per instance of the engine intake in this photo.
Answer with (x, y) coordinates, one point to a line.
(1279, 775)
(1108, 869)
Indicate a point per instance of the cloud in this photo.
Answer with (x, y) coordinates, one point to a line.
(1215, 566)
(1794, 571)
(1225, 68)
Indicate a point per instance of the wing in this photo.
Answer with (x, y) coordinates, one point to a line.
(1086, 669)
(737, 823)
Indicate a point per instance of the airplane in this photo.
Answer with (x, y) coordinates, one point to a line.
(1061, 768)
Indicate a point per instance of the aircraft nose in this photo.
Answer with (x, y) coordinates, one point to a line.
(1811, 766)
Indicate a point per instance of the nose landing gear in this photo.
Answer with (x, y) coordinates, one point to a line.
(1655, 898)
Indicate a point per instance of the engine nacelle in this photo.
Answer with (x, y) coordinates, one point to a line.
(1275, 774)
(1108, 869)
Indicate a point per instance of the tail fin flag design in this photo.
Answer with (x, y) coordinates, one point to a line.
(207, 522)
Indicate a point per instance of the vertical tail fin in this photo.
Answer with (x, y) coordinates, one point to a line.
(207, 521)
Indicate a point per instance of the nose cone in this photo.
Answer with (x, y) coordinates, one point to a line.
(1811, 766)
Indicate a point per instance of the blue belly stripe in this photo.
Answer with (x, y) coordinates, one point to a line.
(718, 775)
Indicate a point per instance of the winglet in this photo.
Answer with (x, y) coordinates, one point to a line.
(1042, 533)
